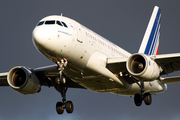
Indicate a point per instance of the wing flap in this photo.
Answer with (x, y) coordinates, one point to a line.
(116, 65)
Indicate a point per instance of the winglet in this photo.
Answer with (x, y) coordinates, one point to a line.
(150, 42)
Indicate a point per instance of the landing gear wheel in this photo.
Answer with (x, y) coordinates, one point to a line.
(69, 107)
(59, 108)
(147, 98)
(137, 100)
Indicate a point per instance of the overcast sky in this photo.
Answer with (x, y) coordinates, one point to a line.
(121, 21)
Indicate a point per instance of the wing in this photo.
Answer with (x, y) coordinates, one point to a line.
(45, 74)
(116, 65)
(3, 79)
(48, 73)
(168, 62)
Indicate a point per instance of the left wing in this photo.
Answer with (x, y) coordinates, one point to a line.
(168, 62)
(116, 65)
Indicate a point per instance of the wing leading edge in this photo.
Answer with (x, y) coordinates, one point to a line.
(168, 62)
(45, 74)
(3, 79)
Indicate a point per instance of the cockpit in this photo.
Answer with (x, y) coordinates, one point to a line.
(52, 22)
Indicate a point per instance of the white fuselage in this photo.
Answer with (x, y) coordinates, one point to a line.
(87, 54)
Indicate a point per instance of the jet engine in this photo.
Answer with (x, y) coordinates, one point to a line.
(142, 67)
(22, 80)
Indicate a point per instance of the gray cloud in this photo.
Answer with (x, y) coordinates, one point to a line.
(122, 22)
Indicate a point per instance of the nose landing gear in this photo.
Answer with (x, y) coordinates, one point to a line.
(60, 106)
(63, 85)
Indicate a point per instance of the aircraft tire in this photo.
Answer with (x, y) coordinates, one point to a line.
(59, 108)
(69, 107)
(137, 99)
(147, 98)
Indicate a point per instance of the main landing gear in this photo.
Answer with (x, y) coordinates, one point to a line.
(138, 98)
(60, 106)
(63, 86)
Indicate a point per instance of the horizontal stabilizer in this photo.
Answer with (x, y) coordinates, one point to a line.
(170, 80)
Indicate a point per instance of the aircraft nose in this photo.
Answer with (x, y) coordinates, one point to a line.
(40, 36)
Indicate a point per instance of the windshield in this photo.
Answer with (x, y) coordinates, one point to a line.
(50, 22)
(40, 23)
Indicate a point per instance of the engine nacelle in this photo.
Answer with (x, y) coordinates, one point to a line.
(22, 80)
(142, 67)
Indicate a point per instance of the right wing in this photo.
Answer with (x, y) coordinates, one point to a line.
(3, 79)
(45, 74)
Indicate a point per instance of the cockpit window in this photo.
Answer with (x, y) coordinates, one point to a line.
(59, 23)
(50, 22)
(64, 24)
(40, 23)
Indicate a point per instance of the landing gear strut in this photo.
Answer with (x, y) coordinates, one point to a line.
(138, 98)
(61, 65)
(63, 84)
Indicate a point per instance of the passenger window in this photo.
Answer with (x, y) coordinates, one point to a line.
(50, 22)
(40, 23)
(64, 24)
(59, 23)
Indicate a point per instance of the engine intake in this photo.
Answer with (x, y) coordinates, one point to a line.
(142, 67)
(23, 80)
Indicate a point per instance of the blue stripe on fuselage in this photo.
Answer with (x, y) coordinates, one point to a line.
(153, 36)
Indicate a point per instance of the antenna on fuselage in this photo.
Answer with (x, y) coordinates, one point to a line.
(61, 14)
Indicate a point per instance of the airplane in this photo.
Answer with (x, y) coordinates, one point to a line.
(85, 60)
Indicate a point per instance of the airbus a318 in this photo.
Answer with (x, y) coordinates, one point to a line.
(83, 59)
